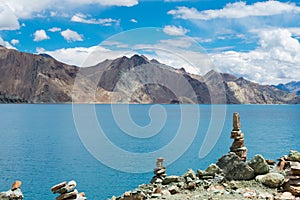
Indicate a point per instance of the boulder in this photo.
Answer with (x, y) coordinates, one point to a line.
(294, 156)
(235, 168)
(272, 180)
(16, 185)
(259, 165)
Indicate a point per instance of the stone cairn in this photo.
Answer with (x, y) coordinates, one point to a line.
(238, 146)
(159, 171)
(67, 191)
(14, 193)
(291, 165)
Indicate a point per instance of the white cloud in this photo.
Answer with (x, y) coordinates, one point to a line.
(40, 50)
(40, 35)
(81, 18)
(133, 21)
(14, 41)
(54, 29)
(174, 30)
(13, 10)
(71, 36)
(8, 20)
(276, 60)
(85, 57)
(237, 10)
(127, 3)
(6, 44)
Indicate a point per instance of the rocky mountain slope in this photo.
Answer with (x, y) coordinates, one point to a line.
(28, 78)
(291, 87)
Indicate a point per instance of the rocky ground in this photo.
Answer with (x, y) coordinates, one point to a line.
(230, 178)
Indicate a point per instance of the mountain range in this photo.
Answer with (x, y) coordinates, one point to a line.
(31, 78)
(291, 87)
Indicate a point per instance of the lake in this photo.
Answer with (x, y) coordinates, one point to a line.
(41, 146)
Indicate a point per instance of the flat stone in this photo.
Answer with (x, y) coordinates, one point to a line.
(236, 134)
(295, 190)
(270, 162)
(295, 170)
(272, 180)
(238, 143)
(161, 171)
(156, 195)
(239, 149)
(170, 179)
(259, 165)
(58, 186)
(16, 185)
(68, 188)
(69, 195)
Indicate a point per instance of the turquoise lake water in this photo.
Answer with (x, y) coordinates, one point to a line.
(41, 146)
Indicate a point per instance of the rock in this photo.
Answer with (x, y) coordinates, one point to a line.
(272, 180)
(69, 195)
(235, 168)
(216, 189)
(166, 193)
(285, 196)
(127, 194)
(191, 185)
(212, 169)
(270, 162)
(190, 173)
(171, 179)
(58, 186)
(295, 170)
(173, 189)
(68, 188)
(259, 165)
(16, 185)
(294, 156)
(295, 190)
(155, 195)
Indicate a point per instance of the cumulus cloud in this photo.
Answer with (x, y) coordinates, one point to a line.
(85, 57)
(14, 41)
(8, 20)
(277, 59)
(81, 18)
(71, 36)
(13, 10)
(174, 30)
(54, 29)
(40, 35)
(237, 10)
(6, 44)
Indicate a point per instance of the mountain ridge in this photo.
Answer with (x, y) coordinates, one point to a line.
(31, 78)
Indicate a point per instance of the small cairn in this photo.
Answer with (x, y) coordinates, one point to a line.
(238, 146)
(14, 193)
(159, 171)
(291, 164)
(67, 191)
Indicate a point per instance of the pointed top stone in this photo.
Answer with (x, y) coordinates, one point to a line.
(236, 121)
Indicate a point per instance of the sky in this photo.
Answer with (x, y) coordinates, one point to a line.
(258, 40)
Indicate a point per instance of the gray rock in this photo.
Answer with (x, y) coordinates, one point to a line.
(190, 173)
(171, 179)
(235, 168)
(272, 180)
(294, 156)
(212, 169)
(259, 165)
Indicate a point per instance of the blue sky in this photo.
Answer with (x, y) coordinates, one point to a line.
(255, 39)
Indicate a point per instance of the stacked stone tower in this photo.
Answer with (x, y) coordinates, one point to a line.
(238, 145)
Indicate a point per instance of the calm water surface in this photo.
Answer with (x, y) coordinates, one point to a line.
(40, 145)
